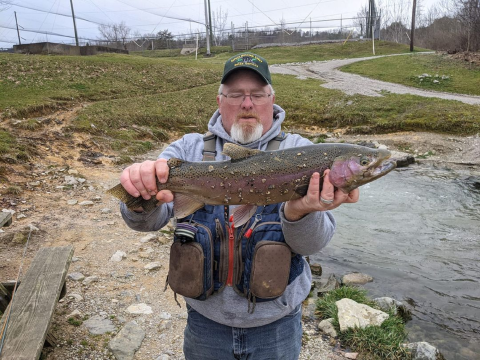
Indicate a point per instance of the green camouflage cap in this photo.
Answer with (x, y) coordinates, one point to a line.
(247, 61)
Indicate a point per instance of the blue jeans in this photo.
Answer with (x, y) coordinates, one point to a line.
(208, 340)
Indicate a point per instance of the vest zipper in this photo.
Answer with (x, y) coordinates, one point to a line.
(231, 242)
(221, 261)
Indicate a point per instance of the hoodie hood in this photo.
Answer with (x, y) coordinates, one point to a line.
(215, 126)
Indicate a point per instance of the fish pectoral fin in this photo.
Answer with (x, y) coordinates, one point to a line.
(242, 214)
(184, 205)
(237, 152)
(301, 189)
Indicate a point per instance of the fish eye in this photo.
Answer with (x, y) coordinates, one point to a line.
(364, 161)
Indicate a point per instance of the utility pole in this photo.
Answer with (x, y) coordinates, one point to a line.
(414, 10)
(18, 32)
(210, 22)
(206, 27)
(74, 24)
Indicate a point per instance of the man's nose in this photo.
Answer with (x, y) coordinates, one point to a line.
(247, 102)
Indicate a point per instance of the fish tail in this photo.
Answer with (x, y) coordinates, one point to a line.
(130, 201)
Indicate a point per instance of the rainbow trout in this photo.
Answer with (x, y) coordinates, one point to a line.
(253, 178)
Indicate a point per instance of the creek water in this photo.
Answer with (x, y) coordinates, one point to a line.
(417, 232)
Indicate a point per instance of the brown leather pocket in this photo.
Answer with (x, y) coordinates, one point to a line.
(270, 269)
(185, 274)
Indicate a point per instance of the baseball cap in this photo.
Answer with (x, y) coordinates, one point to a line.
(250, 61)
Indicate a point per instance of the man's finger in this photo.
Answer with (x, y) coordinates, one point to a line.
(353, 196)
(129, 187)
(328, 189)
(165, 196)
(148, 178)
(162, 170)
(314, 186)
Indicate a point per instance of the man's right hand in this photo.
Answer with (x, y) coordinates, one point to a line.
(140, 179)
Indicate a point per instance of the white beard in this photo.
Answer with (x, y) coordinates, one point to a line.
(246, 134)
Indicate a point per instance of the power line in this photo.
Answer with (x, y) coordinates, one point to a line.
(49, 12)
(8, 41)
(47, 33)
(99, 9)
(56, 13)
(168, 17)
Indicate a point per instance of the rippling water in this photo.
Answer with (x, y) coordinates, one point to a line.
(417, 232)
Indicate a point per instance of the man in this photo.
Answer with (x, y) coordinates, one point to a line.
(230, 320)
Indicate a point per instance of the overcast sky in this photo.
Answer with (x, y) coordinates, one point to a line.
(151, 16)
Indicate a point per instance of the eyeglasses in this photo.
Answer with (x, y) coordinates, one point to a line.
(238, 98)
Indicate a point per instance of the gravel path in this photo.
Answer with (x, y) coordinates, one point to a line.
(351, 84)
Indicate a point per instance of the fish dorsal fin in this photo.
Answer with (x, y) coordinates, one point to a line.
(237, 152)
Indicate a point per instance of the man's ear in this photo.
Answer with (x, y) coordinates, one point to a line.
(218, 102)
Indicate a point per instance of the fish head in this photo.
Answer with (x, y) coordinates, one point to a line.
(359, 167)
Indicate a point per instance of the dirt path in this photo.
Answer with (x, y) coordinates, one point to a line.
(351, 84)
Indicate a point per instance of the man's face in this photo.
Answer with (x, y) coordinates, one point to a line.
(248, 121)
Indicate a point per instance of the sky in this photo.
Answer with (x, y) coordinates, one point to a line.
(178, 16)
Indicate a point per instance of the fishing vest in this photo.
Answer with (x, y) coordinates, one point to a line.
(208, 253)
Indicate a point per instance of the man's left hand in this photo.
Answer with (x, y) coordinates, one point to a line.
(316, 200)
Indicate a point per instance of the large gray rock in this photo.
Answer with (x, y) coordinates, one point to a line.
(76, 276)
(424, 351)
(352, 314)
(325, 285)
(326, 327)
(139, 309)
(356, 279)
(97, 325)
(127, 342)
(316, 269)
(399, 308)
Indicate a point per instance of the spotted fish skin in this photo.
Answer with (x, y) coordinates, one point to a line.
(255, 178)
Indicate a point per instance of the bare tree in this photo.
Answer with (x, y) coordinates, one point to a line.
(395, 15)
(162, 39)
(361, 20)
(219, 24)
(115, 33)
(468, 12)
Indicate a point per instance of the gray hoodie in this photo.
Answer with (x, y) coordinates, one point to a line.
(305, 236)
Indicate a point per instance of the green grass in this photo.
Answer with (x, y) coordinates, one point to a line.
(74, 322)
(130, 125)
(214, 50)
(374, 342)
(14, 151)
(281, 55)
(308, 104)
(445, 74)
(354, 49)
(37, 83)
(134, 102)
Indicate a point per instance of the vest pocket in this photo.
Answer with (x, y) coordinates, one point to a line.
(186, 269)
(270, 269)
